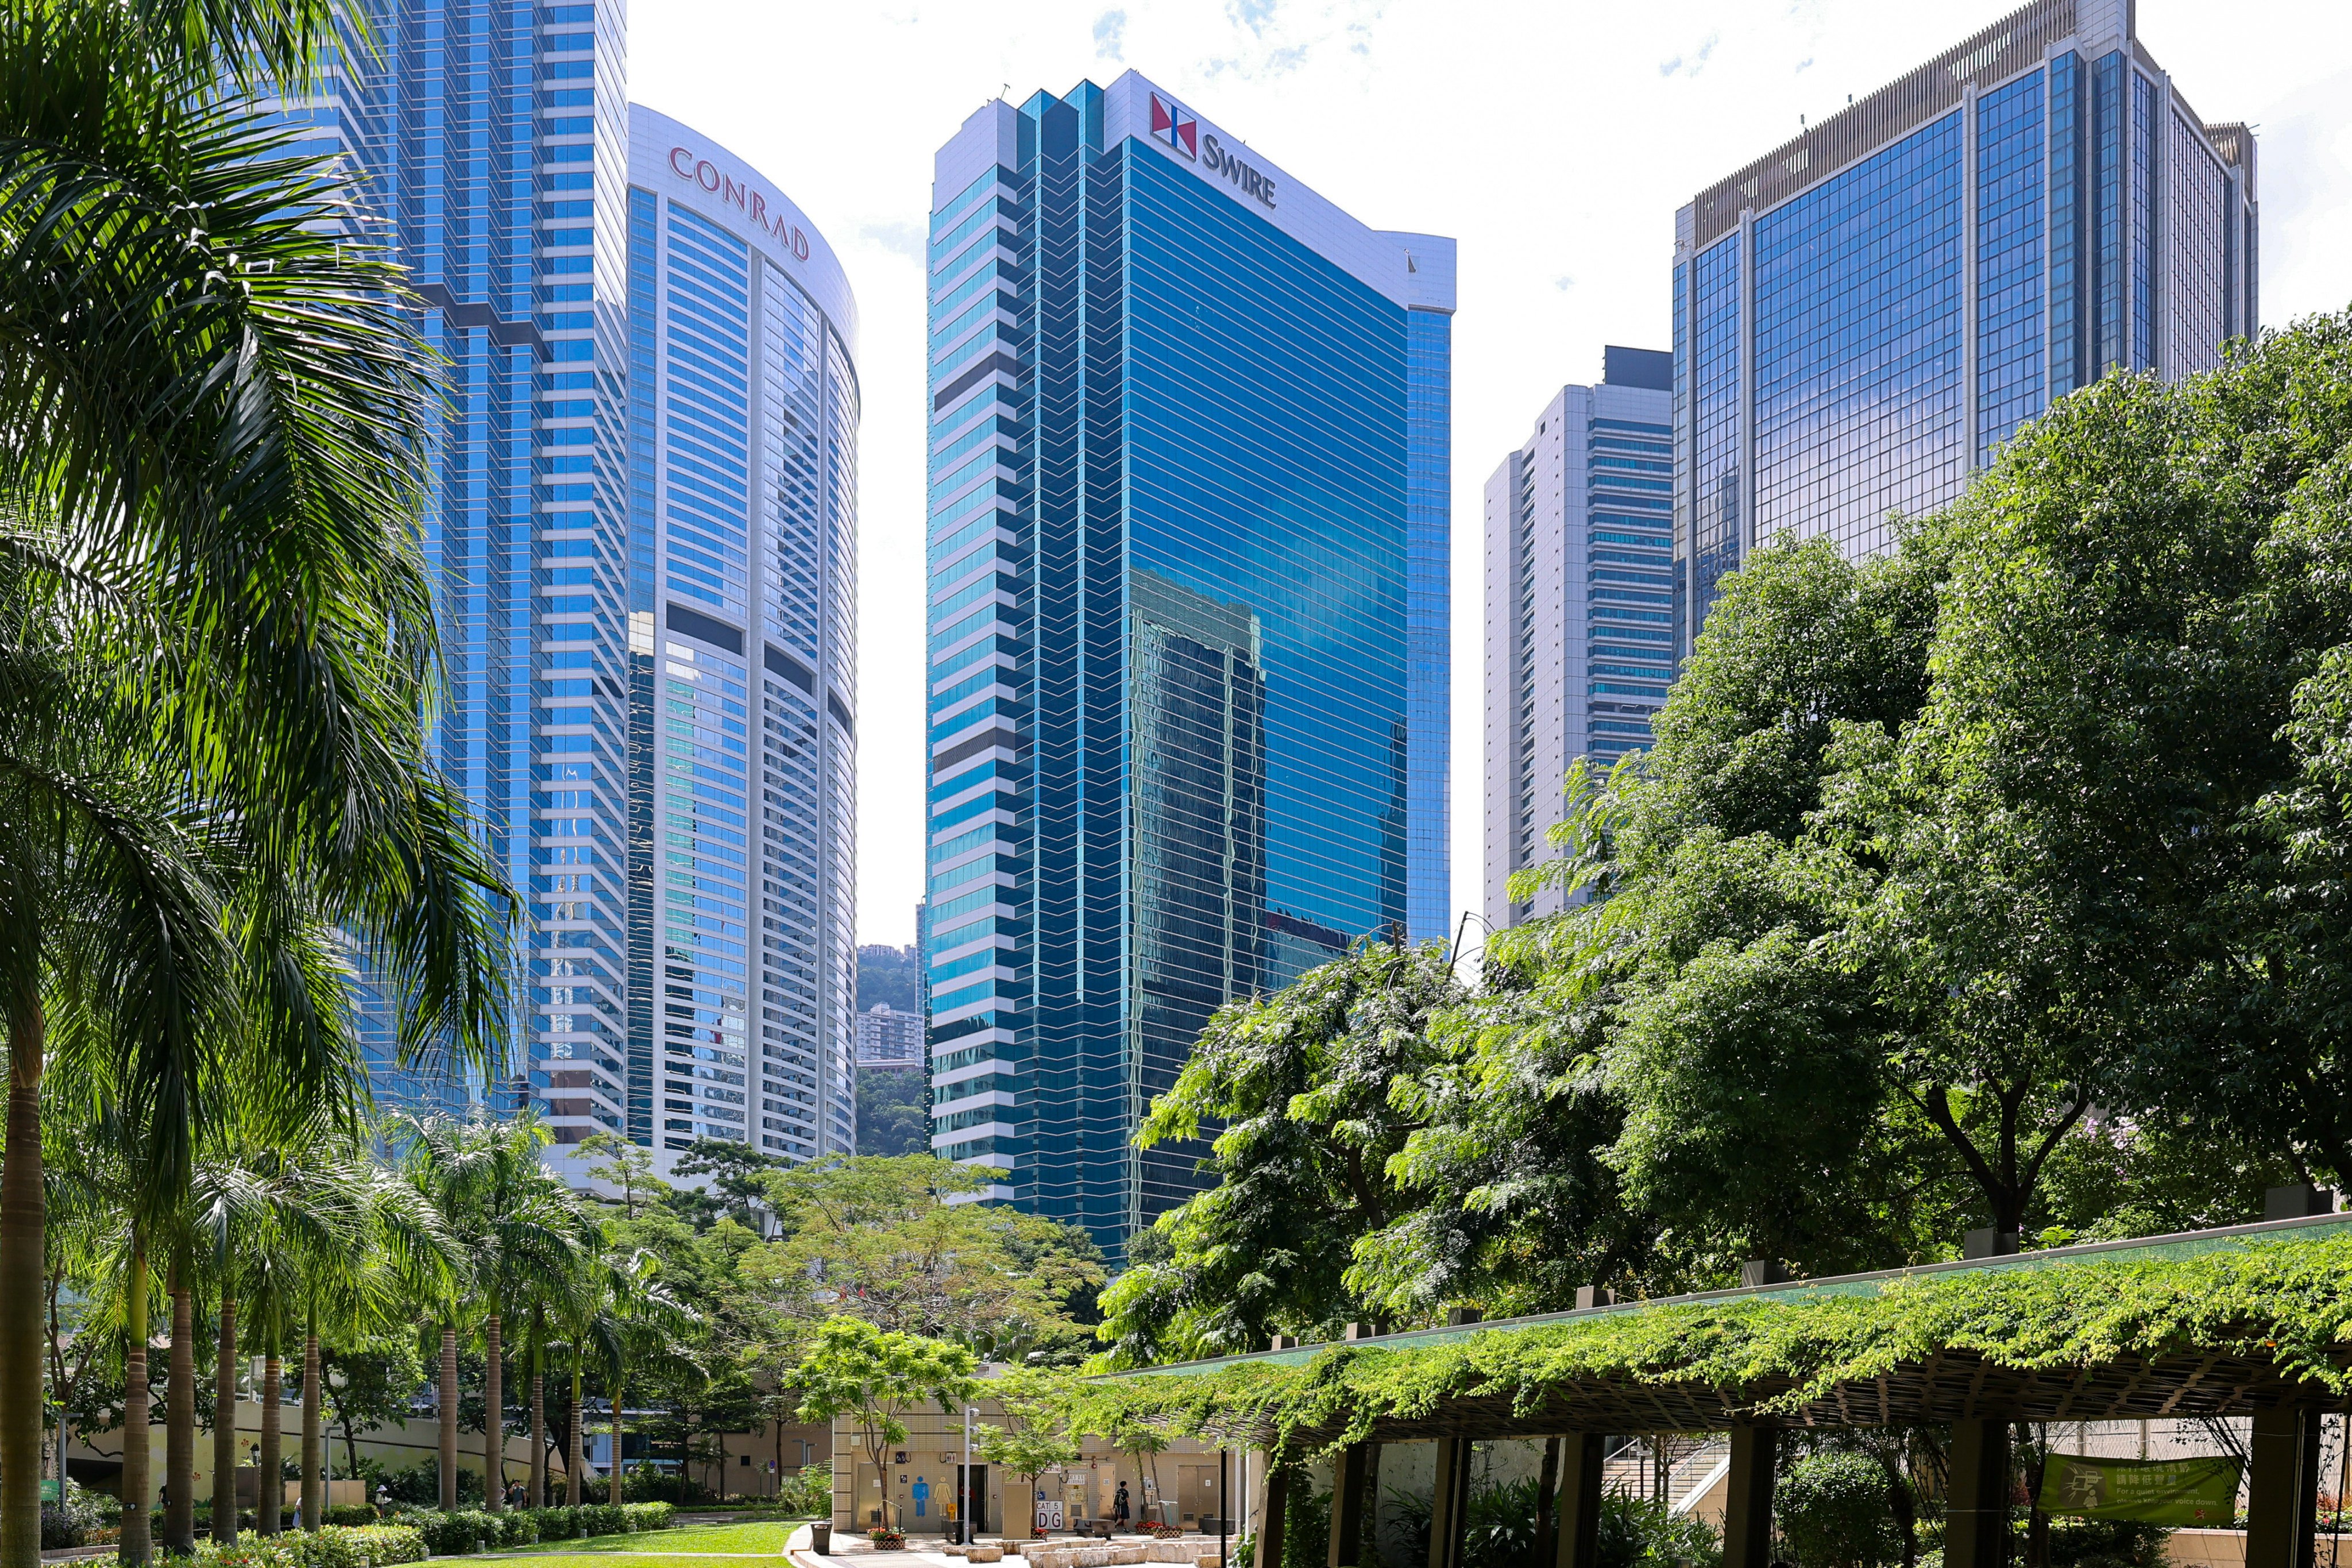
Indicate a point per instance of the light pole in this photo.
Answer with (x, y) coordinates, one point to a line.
(963, 1484)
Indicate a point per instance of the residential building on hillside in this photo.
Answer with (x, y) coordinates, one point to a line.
(889, 1039)
(1188, 530)
(1863, 315)
(1580, 605)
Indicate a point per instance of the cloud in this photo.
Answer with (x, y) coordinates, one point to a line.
(1110, 35)
(1692, 63)
(1564, 282)
(903, 237)
(1251, 13)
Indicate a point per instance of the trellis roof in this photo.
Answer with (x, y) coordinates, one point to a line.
(2201, 1323)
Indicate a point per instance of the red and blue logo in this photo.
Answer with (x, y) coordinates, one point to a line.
(1176, 127)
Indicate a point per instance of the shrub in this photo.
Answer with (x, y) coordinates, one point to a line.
(1642, 1533)
(2105, 1543)
(1833, 1511)
(807, 1493)
(381, 1545)
(643, 1516)
(352, 1513)
(448, 1533)
(557, 1523)
(517, 1527)
(75, 1520)
(604, 1519)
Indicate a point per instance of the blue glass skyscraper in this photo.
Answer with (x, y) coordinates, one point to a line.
(642, 535)
(1187, 608)
(1864, 314)
(491, 145)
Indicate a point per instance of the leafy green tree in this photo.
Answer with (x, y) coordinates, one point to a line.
(875, 1377)
(1509, 1204)
(892, 1113)
(1034, 1436)
(738, 1172)
(880, 1238)
(1299, 1088)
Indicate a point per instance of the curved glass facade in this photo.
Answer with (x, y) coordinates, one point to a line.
(742, 432)
(1865, 314)
(1184, 466)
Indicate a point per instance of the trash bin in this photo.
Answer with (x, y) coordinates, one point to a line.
(821, 1537)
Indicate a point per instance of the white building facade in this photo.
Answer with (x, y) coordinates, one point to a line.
(742, 481)
(1579, 606)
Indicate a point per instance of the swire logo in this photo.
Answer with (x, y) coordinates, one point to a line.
(1174, 126)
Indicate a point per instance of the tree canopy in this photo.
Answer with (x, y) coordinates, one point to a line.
(1998, 882)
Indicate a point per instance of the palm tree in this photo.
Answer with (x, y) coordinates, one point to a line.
(638, 1326)
(522, 1232)
(217, 640)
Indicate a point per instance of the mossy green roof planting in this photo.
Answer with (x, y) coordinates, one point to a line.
(2201, 1323)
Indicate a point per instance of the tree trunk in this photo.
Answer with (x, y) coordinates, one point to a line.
(575, 1458)
(180, 1424)
(138, 1415)
(268, 1491)
(537, 1415)
(448, 1412)
(314, 1426)
(614, 1470)
(225, 1425)
(23, 1267)
(494, 1426)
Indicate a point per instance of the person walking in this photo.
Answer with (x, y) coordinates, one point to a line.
(1121, 1510)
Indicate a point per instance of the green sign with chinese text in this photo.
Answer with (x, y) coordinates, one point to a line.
(2153, 1491)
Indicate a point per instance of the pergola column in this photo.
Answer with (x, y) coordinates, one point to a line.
(1748, 1499)
(2282, 1489)
(1449, 1503)
(1976, 1506)
(1271, 1516)
(1578, 1530)
(1348, 1476)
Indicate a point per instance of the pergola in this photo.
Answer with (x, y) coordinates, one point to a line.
(2253, 1320)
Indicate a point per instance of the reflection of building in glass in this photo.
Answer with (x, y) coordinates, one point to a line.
(1198, 709)
(1187, 609)
(1579, 605)
(1863, 315)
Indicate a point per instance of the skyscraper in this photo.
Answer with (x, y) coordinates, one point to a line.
(1188, 530)
(491, 146)
(575, 536)
(742, 428)
(1579, 605)
(1864, 313)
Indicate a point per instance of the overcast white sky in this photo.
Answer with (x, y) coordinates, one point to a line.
(1554, 139)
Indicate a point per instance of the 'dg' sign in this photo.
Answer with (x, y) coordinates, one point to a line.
(2153, 1491)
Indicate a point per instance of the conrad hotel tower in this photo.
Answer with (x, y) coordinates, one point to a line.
(1864, 314)
(743, 442)
(1188, 474)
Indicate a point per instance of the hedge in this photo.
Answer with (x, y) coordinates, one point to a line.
(335, 1546)
(472, 1530)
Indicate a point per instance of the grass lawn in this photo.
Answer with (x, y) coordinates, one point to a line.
(765, 1539)
(576, 1559)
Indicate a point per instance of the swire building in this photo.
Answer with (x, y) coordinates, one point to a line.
(1580, 605)
(1864, 314)
(1188, 525)
(581, 499)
